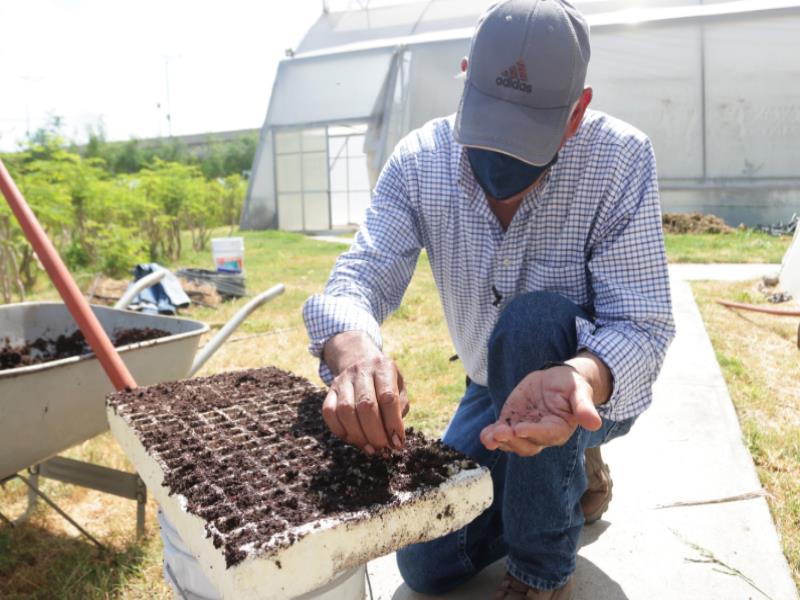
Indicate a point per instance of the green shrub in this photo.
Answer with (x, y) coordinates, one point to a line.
(108, 223)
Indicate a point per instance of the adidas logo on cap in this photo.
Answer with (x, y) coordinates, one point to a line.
(515, 77)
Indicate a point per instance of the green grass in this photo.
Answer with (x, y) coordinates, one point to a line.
(735, 247)
(71, 567)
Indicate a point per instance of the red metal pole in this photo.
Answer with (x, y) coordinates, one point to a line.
(61, 278)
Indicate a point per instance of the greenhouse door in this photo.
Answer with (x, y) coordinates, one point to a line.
(321, 177)
(301, 169)
(350, 188)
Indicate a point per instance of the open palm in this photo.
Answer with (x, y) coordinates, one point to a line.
(543, 410)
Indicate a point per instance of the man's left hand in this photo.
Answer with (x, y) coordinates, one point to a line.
(543, 410)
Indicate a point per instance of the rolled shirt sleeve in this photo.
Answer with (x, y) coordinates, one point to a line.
(633, 324)
(369, 280)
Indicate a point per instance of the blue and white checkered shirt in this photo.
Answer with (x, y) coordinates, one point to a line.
(591, 231)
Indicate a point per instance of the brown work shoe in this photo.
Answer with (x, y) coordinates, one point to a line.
(597, 497)
(513, 589)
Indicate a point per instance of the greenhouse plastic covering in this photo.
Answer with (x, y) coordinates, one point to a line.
(720, 105)
(349, 85)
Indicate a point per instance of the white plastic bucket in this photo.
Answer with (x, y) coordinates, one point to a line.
(228, 254)
(185, 576)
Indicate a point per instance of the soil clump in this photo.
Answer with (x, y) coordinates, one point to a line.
(251, 454)
(44, 350)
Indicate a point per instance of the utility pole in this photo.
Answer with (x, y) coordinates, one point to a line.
(169, 106)
(29, 80)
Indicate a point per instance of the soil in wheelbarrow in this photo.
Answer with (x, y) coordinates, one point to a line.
(250, 452)
(44, 350)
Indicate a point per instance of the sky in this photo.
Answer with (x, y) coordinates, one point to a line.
(104, 63)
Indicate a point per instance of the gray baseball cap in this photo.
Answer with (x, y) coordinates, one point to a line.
(527, 67)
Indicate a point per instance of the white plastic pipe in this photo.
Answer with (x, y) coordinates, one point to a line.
(139, 285)
(232, 325)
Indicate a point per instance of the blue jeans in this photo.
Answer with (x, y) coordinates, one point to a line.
(536, 518)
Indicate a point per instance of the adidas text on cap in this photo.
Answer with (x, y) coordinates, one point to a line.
(527, 67)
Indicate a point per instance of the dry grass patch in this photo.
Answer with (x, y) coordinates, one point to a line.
(48, 558)
(761, 364)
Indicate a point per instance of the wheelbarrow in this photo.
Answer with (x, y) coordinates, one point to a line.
(50, 407)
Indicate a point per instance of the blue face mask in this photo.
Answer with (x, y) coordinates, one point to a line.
(502, 176)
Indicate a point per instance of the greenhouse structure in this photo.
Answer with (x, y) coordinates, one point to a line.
(716, 86)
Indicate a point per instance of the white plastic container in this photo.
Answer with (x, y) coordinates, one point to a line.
(228, 254)
(790, 272)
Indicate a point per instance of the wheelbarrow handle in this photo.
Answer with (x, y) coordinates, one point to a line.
(139, 285)
(231, 326)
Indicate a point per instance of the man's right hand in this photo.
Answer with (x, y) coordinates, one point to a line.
(367, 400)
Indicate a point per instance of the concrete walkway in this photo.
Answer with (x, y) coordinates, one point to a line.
(686, 448)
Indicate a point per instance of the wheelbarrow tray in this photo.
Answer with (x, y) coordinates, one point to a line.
(49, 407)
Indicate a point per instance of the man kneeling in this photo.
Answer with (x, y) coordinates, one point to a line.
(542, 224)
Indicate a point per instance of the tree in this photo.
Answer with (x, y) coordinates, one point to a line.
(102, 218)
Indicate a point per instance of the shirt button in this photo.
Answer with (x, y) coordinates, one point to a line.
(506, 262)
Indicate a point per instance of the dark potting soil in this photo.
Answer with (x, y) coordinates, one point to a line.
(123, 337)
(250, 452)
(44, 350)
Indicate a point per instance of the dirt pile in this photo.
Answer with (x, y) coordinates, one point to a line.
(694, 223)
(44, 350)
